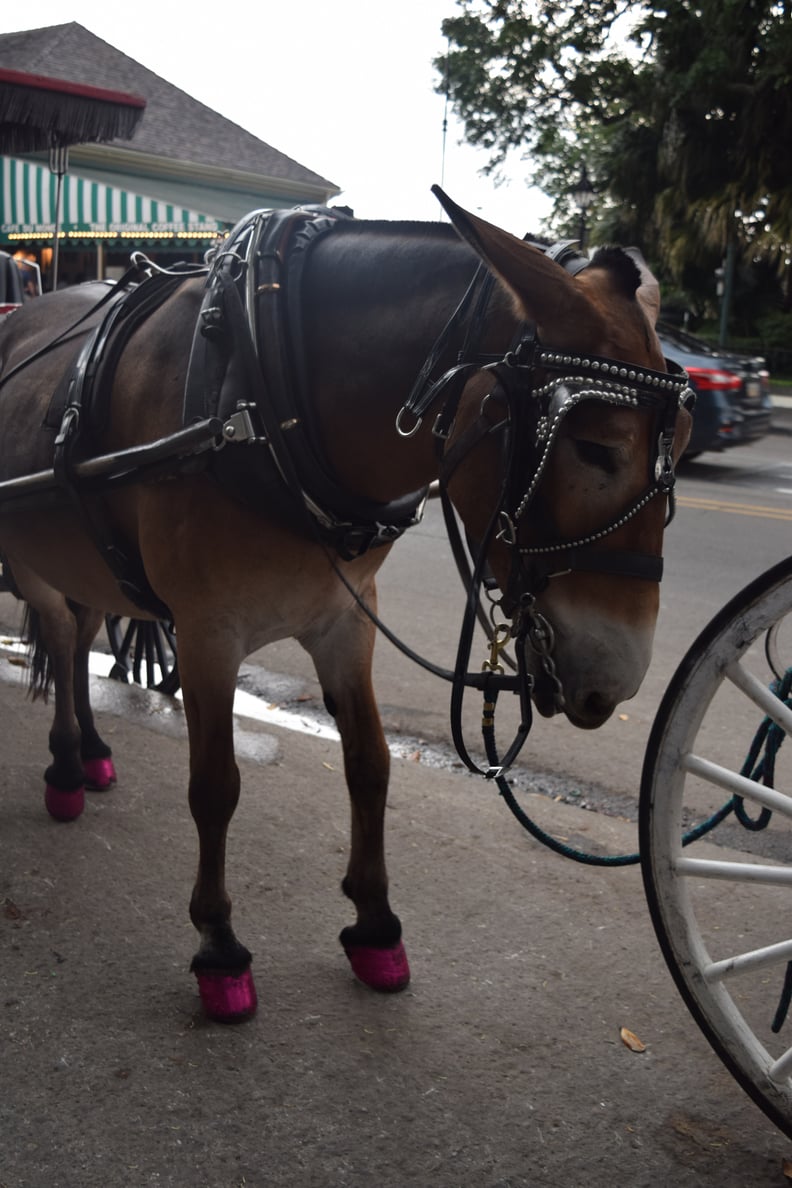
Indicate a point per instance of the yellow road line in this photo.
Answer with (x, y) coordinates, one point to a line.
(735, 509)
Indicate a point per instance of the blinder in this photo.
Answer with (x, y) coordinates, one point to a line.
(532, 421)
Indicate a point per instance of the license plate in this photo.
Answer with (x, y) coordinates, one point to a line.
(753, 389)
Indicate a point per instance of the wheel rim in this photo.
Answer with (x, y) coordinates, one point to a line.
(144, 651)
(720, 906)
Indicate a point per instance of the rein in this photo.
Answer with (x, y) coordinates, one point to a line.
(534, 413)
(532, 432)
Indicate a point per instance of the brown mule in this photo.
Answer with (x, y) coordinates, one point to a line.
(558, 460)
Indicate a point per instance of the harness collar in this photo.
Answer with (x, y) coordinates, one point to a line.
(247, 367)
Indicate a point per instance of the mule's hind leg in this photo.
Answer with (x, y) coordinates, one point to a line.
(208, 678)
(342, 656)
(52, 629)
(95, 754)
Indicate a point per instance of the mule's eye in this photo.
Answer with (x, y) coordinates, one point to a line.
(594, 453)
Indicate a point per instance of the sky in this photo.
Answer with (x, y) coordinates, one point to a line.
(345, 87)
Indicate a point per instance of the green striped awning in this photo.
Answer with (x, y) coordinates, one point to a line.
(89, 210)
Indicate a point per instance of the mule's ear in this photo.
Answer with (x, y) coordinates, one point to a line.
(545, 293)
(648, 292)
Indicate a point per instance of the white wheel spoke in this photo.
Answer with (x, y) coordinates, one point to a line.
(762, 696)
(732, 781)
(781, 1069)
(743, 962)
(738, 872)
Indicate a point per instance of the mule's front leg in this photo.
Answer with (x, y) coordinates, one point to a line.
(343, 663)
(222, 964)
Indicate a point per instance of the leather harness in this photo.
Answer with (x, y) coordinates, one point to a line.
(248, 341)
(247, 396)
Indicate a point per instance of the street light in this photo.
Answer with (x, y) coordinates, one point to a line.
(583, 194)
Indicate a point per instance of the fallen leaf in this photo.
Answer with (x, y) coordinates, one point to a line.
(630, 1039)
(415, 756)
(709, 1136)
(306, 697)
(329, 766)
(19, 661)
(624, 717)
(786, 1168)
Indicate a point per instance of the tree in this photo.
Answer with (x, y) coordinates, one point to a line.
(682, 112)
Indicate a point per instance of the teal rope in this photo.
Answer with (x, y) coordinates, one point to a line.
(760, 761)
(553, 843)
(759, 765)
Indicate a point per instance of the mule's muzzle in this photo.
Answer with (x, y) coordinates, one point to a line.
(593, 711)
(584, 674)
(588, 709)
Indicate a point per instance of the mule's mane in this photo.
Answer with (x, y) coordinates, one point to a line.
(621, 266)
(357, 226)
(413, 227)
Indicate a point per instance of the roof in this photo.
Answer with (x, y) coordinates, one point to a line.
(175, 130)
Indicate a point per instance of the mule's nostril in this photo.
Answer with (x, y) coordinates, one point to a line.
(597, 705)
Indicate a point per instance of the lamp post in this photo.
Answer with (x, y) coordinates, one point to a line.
(583, 194)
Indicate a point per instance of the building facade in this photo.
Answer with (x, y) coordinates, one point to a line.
(185, 177)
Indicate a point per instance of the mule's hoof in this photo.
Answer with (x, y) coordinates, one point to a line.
(227, 998)
(382, 969)
(99, 774)
(64, 806)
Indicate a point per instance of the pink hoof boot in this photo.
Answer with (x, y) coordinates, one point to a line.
(382, 969)
(227, 998)
(99, 774)
(64, 806)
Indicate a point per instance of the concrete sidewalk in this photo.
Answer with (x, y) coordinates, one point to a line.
(501, 1066)
(782, 405)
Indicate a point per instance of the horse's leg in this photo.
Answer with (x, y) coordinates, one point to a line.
(52, 629)
(342, 655)
(96, 755)
(208, 676)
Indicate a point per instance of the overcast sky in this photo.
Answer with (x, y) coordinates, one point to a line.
(345, 87)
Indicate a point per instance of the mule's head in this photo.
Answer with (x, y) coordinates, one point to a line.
(562, 459)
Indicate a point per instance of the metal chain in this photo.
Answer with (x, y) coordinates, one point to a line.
(541, 637)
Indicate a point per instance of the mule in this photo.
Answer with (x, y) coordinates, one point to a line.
(557, 450)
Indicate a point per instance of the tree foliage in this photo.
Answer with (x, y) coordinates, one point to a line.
(683, 113)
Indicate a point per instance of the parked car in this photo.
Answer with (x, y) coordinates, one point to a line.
(733, 402)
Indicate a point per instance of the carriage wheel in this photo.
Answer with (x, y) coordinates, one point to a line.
(144, 651)
(721, 904)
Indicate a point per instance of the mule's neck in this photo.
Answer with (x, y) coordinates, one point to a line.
(377, 296)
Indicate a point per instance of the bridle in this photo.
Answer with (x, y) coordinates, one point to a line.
(534, 390)
(535, 413)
